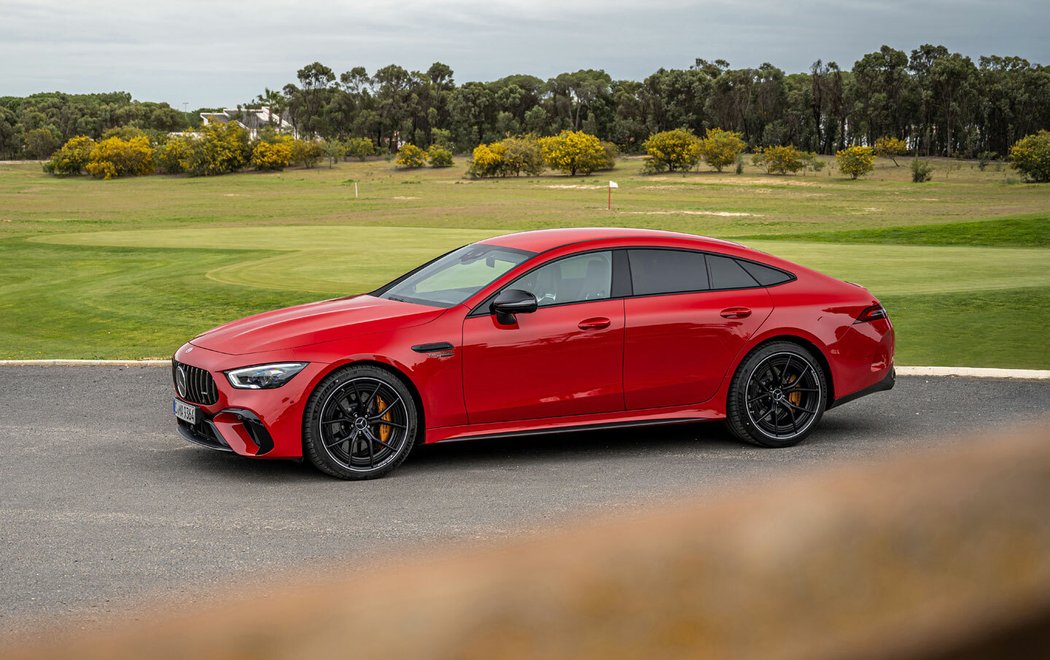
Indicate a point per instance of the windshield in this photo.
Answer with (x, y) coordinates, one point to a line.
(451, 279)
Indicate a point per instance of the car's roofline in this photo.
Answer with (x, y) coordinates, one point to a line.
(545, 240)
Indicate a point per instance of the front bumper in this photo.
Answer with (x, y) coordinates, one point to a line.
(233, 430)
(254, 423)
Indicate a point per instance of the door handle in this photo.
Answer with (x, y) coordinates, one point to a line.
(596, 323)
(735, 313)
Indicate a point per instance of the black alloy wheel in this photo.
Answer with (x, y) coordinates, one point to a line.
(777, 396)
(360, 423)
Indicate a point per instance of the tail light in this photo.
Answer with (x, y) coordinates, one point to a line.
(872, 313)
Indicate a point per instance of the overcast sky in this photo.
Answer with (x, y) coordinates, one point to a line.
(217, 52)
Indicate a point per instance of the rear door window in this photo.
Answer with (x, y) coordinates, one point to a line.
(667, 271)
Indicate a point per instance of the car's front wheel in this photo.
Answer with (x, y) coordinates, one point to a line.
(777, 395)
(360, 423)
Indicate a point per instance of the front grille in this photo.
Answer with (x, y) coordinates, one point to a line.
(200, 386)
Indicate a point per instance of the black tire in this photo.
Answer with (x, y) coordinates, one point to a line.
(777, 396)
(360, 423)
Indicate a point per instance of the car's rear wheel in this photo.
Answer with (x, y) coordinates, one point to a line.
(777, 395)
(360, 423)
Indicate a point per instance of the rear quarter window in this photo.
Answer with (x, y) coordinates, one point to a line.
(727, 273)
(765, 275)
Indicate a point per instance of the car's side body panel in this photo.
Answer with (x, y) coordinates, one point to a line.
(557, 361)
(679, 347)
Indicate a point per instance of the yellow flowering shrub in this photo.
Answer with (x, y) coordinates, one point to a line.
(488, 160)
(1031, 156)
(781, 159)
(218, 149)
(410, 156)
(114, 157)
(672, 151)
(573, 152)
(173, 157)
(720, 148)
(272, 155)
(890, 147)
(73, 156)
(856, 161)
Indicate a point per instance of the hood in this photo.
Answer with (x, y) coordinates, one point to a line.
(313, 323)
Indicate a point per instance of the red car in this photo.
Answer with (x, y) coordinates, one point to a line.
(542, 331)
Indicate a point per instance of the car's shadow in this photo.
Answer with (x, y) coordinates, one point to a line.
(700, 437)
(577, 444)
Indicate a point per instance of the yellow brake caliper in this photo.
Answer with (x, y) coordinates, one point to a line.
(384, 429)
(795, 398)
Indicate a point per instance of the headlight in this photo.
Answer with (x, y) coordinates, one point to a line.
(264, 376)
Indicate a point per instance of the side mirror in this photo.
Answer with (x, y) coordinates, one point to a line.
(513, 301)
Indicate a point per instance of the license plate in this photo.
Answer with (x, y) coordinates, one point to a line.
(185, 411)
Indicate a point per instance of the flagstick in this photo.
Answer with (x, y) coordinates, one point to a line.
(610, 197)
(355, 189)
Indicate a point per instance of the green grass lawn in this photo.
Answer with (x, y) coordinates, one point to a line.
(131, 268)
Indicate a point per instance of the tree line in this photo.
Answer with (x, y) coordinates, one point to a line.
(36, 125)
(939, 102)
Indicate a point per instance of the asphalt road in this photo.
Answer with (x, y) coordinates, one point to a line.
(102, 505)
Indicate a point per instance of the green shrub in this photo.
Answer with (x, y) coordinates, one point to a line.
(521, 155)
(334, 150)
(985, 157)
(609, 160)
(783, 159)
(921, 171)
(41, 142)
(360, 148)
(307, 153)
(442, 137)
(812, 161)
(439, 156)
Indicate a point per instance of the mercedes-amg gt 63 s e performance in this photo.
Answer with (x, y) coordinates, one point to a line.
(542, 331)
